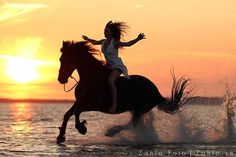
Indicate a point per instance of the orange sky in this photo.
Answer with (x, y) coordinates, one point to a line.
(195, 37)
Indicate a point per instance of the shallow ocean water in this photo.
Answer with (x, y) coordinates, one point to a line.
(30, 129)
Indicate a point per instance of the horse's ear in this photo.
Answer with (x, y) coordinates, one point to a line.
(108, 23)
(65, 43)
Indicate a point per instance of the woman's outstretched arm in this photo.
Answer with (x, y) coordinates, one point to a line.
(94, 42)
(131, 42)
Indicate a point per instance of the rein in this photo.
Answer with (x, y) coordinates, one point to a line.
(72, 86)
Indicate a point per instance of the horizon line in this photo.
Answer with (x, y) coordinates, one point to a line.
(34, 100)
(38, 100)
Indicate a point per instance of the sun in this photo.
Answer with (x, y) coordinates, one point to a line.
(22, 70)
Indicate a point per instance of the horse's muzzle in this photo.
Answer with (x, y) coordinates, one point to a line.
(62, 81)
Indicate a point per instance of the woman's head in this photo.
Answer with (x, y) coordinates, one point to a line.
(115, 30)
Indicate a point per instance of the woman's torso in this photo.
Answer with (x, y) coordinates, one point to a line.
(110, 51)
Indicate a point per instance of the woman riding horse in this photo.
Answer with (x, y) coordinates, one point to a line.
(137, 94)
(110, 48)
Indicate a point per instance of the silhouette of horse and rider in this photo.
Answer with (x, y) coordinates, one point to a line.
(93, 92)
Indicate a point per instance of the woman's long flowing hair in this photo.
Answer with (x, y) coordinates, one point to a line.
(118, 29)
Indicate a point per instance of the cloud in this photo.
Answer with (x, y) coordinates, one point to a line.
(34, 62)
(26, 46)
(29, 48)
(17, 11)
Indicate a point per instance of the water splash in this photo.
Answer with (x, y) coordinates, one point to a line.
(211, 122)
(228, 118)
(192, 129)
(145, 131)
(189, 130)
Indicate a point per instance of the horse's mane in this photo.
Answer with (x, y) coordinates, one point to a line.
(92, 51)
(88, 49)
(87, 46)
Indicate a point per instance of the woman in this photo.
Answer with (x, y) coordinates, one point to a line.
(110, 46)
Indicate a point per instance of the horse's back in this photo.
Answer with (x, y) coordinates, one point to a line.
(142, 84)
(136, 92)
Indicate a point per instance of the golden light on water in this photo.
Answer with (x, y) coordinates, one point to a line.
(22, 115)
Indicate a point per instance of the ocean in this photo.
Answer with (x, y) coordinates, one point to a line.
(197, 130)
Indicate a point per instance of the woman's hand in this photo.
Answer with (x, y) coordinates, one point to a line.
(85, 37)
(94, 42)
(141, 36)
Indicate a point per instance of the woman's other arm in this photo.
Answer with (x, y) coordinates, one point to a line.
(131, 42)
(94, 42)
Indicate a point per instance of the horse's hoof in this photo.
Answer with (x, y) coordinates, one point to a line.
(110, 134)
(81, 129)
(113, 131)
(60, 139)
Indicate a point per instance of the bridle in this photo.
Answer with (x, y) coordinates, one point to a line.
(74, 59)
(72, 86)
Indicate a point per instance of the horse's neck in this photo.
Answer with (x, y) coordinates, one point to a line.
(92, 75)
(91, 71)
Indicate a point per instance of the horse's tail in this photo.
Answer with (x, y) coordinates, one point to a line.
(179, 95)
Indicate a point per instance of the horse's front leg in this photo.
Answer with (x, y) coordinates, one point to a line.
(68, 114)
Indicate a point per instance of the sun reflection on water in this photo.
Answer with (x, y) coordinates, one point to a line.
(22, 113)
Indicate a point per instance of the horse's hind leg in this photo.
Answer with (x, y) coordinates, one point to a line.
(117, 129)
(68, 114)
(136, 118)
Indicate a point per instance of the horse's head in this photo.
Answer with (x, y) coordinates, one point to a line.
(68, 61)
(76, 55)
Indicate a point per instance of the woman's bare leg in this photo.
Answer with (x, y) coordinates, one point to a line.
(111, 81)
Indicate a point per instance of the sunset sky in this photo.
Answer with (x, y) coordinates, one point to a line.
(195, 37)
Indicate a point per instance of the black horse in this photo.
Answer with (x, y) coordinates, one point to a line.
(137, 95)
